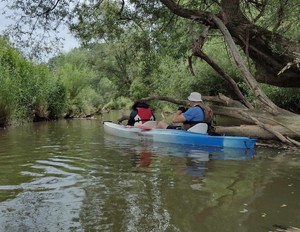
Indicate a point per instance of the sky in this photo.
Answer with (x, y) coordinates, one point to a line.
(68, 43)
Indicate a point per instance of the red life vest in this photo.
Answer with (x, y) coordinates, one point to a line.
(143, 115)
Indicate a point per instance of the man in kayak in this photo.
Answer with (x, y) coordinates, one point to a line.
(197, 113)
(140, 113)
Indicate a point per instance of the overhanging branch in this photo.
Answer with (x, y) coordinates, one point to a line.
(250, 80)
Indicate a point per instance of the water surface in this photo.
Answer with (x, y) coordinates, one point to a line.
(70, 176)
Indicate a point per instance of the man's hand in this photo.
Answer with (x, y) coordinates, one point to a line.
(182, 109)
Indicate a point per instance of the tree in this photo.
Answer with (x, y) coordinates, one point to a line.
(269, 51)
(265, 31)
(77, 77)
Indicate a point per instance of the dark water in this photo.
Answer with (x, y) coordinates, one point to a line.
(69, 176)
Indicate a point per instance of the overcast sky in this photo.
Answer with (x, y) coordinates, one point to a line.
(69, 43)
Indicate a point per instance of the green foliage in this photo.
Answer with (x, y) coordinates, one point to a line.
(280, 16)
(113, 62)
(26, 90)
(119, 103)
(287, 98)
(130, 51)
(152, 47)
(207, 80)
(7, 105)
(173, 77)
(12, 67)
(57, 100)
(149, 57)
(86, 86)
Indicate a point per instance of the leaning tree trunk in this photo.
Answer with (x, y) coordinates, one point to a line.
(268, 106)
(271, 121)
(251, 82)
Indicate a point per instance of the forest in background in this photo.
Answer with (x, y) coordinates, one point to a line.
(90, 79)
(146, 49)
(86, 80)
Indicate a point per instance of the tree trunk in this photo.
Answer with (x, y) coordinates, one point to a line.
(266, 128)
(255, 131)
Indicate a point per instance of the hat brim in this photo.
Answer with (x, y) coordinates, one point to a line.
(194, 100)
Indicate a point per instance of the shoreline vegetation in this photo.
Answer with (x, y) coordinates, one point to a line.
(71, 85)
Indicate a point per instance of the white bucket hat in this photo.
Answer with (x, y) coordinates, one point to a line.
(195, 97)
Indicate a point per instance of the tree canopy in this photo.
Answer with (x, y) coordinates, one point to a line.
(266, 30)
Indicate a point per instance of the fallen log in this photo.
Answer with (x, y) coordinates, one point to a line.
(256, 131)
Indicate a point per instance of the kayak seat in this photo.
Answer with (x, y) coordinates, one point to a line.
(199, 128)
(150, 123)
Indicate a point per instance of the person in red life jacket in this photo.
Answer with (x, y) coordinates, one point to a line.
(140, 113)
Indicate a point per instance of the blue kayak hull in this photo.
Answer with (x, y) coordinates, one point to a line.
(179, 137)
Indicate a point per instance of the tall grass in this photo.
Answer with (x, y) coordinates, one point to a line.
(27, 91)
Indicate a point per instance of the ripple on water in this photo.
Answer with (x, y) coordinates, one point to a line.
(51, 190)
(30, 210)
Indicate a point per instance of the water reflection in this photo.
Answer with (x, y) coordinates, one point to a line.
(143, 159)
(196, 157)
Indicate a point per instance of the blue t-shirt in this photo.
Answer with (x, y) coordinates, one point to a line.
(194, 114)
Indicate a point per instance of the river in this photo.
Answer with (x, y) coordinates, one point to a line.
(70, 176)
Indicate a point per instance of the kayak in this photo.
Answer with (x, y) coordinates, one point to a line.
(178, 136)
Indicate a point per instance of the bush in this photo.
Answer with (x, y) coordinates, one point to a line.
(286, 98)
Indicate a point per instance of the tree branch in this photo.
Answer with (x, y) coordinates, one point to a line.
(225, 76)
(49, 9)
(200, 16)
(250, 80)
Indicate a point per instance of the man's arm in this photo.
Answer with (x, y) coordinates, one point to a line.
(178, 117)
